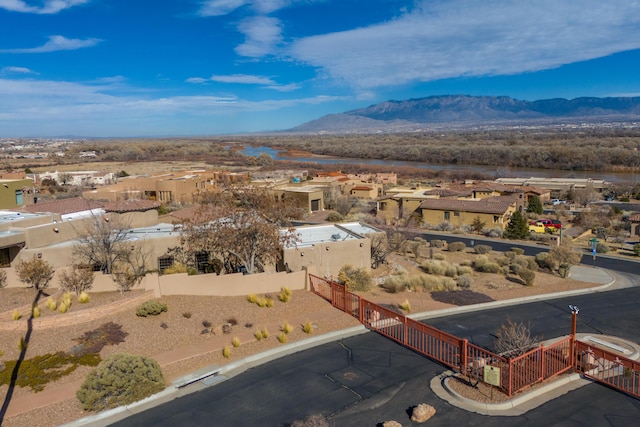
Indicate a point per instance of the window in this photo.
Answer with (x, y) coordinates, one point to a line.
(447, 216)
(19, 197)
(165, 262)
(202, 260)
(5, 259)
(456, 213)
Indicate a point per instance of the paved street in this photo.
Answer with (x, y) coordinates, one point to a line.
(367, 379)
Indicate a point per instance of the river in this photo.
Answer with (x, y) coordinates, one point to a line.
(504, 172)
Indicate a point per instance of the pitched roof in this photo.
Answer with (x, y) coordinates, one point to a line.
(362, 188)
(121, 206)
(498, 204)
(64, 206)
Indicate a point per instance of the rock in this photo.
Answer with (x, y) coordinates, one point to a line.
(391, 424)
(422, 413)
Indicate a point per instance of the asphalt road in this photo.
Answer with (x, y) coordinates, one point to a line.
(368, 379)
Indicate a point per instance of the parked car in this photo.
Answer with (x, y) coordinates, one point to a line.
(551, 223)
(556, 202)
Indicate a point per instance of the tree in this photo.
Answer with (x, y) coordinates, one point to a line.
(477, 225)
(535, 205)
(384, 244)
(514, 339)
(120, 380)
(78, 280)
(36, 273)
(3, 278)
(517, 227)
(103, 243)
(244, 227)
(564, 256)
(354, 278)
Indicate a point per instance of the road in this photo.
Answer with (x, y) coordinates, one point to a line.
(368, 379)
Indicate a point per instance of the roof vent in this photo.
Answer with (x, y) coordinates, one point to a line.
(335, 236)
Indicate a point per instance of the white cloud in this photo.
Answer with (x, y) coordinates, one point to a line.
(453, 38)
(57, 43)
(220, 7)
(243, 79)
(262, 36)
(49, 7)
(16, 70)
(196, 80)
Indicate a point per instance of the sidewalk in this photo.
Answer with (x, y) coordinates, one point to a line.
(192, 382)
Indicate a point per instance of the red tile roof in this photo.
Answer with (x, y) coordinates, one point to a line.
(498, 205)
(63, 206)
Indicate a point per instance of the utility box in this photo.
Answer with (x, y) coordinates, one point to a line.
(554, 240)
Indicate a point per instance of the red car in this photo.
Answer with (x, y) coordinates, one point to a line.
(551, 223)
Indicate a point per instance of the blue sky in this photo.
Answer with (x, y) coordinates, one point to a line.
(207, 67)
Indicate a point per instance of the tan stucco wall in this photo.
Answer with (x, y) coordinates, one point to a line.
(434, 217)
(329, 257)
(8, 193)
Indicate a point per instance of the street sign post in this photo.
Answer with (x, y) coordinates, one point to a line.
(594, 243)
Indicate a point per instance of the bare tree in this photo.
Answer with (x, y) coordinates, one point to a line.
(36, 273)
(103, 243)
(78, 280)
(384, 244)
(514, 339)
(243, 227)
(3, 279)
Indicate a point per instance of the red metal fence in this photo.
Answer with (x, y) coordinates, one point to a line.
(515, 374)
(608, 368)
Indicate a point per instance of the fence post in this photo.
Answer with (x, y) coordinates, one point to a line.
(542, 354)
(405, 335)
(463, 356)
(510, 388)
(360, 310)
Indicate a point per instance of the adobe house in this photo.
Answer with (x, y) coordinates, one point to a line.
(310, 196)
(635, 225)
(16, 193)
(495, 212)
(328, 247)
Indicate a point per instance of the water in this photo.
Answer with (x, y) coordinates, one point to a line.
(506, 172)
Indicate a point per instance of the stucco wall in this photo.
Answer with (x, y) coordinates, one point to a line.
(329, 257)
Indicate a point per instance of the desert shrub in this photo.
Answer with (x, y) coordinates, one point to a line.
(186, 315)
(120, 380)
(437, 243)
(269, 302)
(451, 270)
(435, 267)
(38, 371)
(395, 283)
(464, 269)
(439, 256)
(479, 262)
(447, 284)
(52, 304)
(514, 339)
(405, 305)
(258, 335)
(354, 278)
(206, 323)
(232, 321)
(482, 249)
(423, 282)
(527, 276)
(335, 217)
(15, 315)
(3, 279)
(490, 267)
(285, 294)
(467, 263)
(464, 281)
(602, 248)
(226, 352)
(283, 338)
(176, 268)
(502, 261)
(510, 254)
(62, 307)
(287, 328)
(307, 327)
(92, 342)
(456, 246)
(235, 342)
(265, 333)
(443, 226)
(517, 251)
(515, 268)
(151, 308)
(252, 298)
(35, 312)
(531, 263)
(164, 325)
(546, 262)
(493, 232)
(66, 299)
(521, 261)
(84, 298)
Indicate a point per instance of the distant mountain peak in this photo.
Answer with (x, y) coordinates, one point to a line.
(460, 110)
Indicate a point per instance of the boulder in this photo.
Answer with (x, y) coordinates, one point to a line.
(422, 413)
(391, 424)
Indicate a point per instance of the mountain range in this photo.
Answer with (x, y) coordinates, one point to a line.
(459, 111)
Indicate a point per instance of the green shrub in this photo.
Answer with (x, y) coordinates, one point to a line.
(405, 306)
(464, 269)
(15, 315)
(283, 338)
(252, 298)
(66, 299)
(62, 307)
(602, 248)
(120, 380)
(285, 294)
(235, 342)
(355, 279)
(176, 268)
(456, 246)
(482, 249)
(84, 298)
(527, 276)
(464, 281)
(307, 327)
(52, 304)
(287, 328)
(151, 308)
(35, 312)
(258, 335)
(226, 352)
(636, 249)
